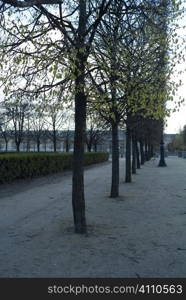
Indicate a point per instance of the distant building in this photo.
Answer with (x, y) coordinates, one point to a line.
(65, 141)
(168, 138)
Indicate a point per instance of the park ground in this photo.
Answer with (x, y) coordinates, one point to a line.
(139, 234)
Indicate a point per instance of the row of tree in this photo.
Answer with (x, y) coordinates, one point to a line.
(23, 119)
(109, 59)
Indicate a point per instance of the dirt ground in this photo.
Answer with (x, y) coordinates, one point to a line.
(139, 234)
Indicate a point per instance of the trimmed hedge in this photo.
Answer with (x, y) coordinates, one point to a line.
(29, 165)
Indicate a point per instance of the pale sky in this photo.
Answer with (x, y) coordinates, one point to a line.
(178, 119)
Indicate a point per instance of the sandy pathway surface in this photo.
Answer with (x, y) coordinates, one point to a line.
(140, 234)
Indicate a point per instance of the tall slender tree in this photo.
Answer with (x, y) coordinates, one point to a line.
(77, 24)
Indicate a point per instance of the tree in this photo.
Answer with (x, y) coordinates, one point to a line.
(17, 110)
(77, 24)
(38, 124)
(148, 75)
(178, 143)
(95, 131)
(5, 126)
(108, 93)
(55, 117)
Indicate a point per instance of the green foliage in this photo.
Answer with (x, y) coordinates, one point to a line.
(28, 165)
(95, 157)
(177, 143)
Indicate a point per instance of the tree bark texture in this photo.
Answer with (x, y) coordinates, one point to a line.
(146, 152)
(54, 140)
(38, 145)
(162, 162)
(115, 162)
(128, 177)
(149, 151)
(142, 152)
(133, 155)
(95, 147)
(78, 199)
(6, 146)
(137, 155)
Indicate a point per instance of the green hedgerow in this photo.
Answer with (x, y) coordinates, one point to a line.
(29, 165)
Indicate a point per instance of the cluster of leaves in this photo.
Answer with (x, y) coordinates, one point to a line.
(39, 54)
(130, 67)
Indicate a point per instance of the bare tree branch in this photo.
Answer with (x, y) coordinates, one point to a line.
(30, 3)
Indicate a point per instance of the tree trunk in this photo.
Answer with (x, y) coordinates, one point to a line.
(137, 155)
(128, 177)
(115, 162)
(162, 162)
(54, 140)
(28, 136)
(6, 145)
(78, 200)
(67, 144)
(38, 145)
(28, 145)
(89, 147)
(146, 152)
(17, 146)
(133, 155)
(149, 151)
(95, 147)
(142, 153)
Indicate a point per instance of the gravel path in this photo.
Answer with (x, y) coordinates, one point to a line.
(140, 234)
